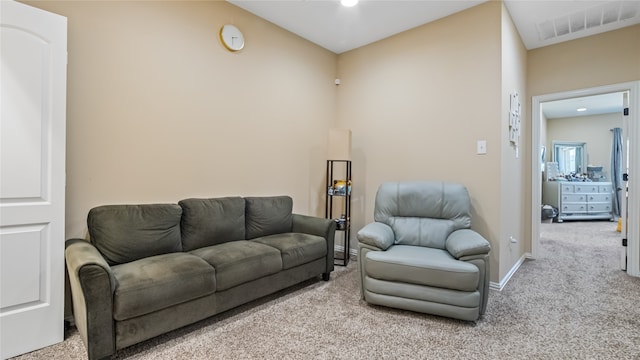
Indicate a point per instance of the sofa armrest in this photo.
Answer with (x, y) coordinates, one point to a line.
(377, 234)
(325, 228)
(466, 242)
(92, 287)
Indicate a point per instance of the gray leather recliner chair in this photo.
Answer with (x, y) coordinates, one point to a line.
(420, 253)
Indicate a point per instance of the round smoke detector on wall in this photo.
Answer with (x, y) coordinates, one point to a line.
(231, 38)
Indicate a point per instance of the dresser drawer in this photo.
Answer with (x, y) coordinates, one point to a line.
(586, 188)
(597, 208)
(574, 208)
(567, 188)
(604, 189)
(574, 198)
(599, 198)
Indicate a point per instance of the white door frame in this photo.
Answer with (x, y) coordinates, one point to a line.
(633, 243)
(625, 169)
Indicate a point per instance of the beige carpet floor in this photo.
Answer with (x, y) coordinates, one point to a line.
(573, 302)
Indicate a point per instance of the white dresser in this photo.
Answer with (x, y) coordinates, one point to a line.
(579, 200)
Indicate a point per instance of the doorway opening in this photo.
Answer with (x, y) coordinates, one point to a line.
(540, 145)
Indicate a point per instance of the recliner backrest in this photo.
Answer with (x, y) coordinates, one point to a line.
(423, 213)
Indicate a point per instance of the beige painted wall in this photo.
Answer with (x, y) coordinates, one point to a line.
(609, 58)
(513, 214)
(594, 130)
(159, 111)
(418, 102)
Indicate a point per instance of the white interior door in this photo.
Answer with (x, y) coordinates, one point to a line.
(32, 177)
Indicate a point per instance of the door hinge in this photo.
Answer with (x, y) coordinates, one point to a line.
(624, 242)
(625, 177)
(626, 111)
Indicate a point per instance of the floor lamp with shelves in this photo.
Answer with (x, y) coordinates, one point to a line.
(338, 206)
(338, 192)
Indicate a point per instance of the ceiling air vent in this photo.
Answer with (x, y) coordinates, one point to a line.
(608, 14)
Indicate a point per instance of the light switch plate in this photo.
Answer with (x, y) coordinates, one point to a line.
(482, 147)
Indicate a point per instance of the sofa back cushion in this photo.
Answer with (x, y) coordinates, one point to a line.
(207, 222)
(268, 215)
(423, 213)
(125, 233)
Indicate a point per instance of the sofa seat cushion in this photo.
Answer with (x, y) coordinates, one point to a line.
(296, 248)
(238, 262)
(422, 266)
(158, 282)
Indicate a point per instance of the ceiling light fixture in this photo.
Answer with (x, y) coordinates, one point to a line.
(348, 3)
(581, 109)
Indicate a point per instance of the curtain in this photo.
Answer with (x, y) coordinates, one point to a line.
(616, 170)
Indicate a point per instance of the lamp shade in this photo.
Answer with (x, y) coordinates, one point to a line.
(339, 144)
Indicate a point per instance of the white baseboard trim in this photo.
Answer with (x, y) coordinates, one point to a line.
(499, 286)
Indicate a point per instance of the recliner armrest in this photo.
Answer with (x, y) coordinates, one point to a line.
(377, 234)
(466, 242)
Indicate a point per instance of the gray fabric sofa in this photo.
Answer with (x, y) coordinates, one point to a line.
(420, 253)
(150, 269)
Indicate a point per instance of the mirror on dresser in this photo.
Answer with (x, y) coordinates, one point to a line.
(570, 156)
(572, 193)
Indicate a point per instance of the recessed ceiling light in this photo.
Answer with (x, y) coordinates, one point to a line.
(581, 109)
(348, 3)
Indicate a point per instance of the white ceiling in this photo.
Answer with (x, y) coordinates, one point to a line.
(594, 105)
(539, 22)
(339, 29)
